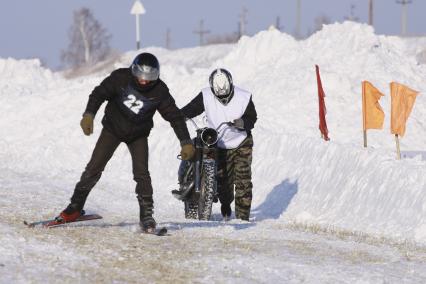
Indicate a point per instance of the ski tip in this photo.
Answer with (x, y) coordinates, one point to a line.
(29, 225)
(51, 223)
(158, 232)
(162, 232)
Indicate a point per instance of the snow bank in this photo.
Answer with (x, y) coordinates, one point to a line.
(343, 186)
(23, 76)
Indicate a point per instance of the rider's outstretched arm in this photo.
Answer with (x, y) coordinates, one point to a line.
(194, 107)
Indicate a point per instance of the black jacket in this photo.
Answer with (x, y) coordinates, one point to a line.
(130, 107)
(196, 107)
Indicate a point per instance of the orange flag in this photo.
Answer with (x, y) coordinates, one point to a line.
(403, 99)
(372, 113)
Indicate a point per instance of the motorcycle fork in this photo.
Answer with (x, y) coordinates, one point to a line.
(206, 156)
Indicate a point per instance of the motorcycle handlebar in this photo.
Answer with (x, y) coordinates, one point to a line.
(228, 123)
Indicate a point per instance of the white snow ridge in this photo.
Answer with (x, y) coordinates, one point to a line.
(322, 212)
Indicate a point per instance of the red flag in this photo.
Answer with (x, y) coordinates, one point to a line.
(322, 109)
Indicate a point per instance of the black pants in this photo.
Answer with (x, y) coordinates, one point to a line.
(105, 146)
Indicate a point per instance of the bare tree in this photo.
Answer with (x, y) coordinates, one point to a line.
(89, 41)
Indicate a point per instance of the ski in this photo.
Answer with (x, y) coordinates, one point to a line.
(158, 232)
(55, 223)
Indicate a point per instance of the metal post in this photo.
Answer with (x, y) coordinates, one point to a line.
(298, 19)
(243, 21)
(364, 110)
(137, 10)
(168, 39)
(398, 151)
(201, 32)
(404, 20)
(138, 39)
(365, 138)
(404, 4)
(277, 24)
(370, 12)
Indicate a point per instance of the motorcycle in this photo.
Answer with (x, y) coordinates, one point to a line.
(197, 178)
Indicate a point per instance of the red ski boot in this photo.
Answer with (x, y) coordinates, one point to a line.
(70, 214)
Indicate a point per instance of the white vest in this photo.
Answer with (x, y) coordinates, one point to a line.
(216, 112)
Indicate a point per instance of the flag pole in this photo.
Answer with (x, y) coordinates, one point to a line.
(364, 114)
(398, 151)
(365, 138)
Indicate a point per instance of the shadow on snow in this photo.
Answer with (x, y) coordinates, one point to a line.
(275, 203)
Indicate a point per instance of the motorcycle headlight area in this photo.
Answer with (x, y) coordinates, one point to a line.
(209, 136)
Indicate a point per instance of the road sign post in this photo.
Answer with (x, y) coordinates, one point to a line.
(137, 10)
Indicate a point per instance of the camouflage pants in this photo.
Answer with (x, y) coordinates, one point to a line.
(234, 172)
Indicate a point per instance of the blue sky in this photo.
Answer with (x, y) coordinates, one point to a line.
(39, 28)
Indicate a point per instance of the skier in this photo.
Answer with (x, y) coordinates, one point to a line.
(133, 94)
(224, 102)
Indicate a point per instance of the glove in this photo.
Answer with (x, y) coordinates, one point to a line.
(239, 123)
(86, 123)
(187, 152)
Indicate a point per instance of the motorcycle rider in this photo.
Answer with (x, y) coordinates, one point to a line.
(222, 101)
(133, 96)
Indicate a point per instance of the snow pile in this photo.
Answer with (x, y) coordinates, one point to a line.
(23, 76)
(421, 56)
(336, 183)
(417, 46)
(297, 176)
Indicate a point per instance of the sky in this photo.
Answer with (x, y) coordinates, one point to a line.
(38, 29)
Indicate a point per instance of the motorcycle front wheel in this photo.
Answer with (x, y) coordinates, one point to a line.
(191, 209)
(207, 189)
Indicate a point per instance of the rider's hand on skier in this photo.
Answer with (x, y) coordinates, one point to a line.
(239, 123)
(86, 123)
(187, 151)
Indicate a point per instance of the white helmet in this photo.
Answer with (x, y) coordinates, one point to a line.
(221, 83)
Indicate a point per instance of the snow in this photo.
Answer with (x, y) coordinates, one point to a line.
(331, 212)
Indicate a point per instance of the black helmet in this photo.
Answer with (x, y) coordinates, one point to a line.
(221, 82)
(145, 66)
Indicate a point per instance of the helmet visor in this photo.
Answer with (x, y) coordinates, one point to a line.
(145, 72)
